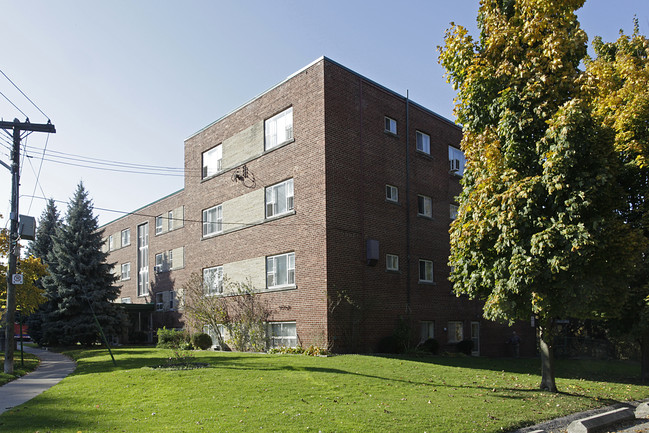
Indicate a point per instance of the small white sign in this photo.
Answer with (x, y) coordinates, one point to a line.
(17, 278)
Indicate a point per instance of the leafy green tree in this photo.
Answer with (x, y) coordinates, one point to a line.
(619, 76)
(49, 221)
(537, 232)
(80, 283)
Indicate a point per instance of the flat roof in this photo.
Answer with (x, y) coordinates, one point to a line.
(327, 59)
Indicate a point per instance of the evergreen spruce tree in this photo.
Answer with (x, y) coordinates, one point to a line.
(47, 224)
(79, 279)
(40, 248)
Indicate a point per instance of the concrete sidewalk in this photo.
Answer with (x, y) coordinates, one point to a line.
(53, 368)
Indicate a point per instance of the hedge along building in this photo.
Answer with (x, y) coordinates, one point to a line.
(333, 195)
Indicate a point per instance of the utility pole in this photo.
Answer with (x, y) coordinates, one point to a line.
(10, 317)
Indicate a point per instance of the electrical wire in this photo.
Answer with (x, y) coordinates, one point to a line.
(112, 169)
(15, 106)
(27, 97)
(136, 213)
(38, 175)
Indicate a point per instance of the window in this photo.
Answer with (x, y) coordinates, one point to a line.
(126, 300)
(455, 332)
(159, 301)
(126, 237)
(126, 271)
(282, 334)
(279, 129)
(279, 198)
(143, 259)
(170, 220)
(212, 161)
(390, 125)
(456, 161)
(158, 224)
(212, 220)
(392, 193)
(425, 271)
(280, 270)
(391, 262)
(111, 243)
(213, 280)
(159, 263)
(424, 206)
(423, 142)
(453, 211)
(427, 331)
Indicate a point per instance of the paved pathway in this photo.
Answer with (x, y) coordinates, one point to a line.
(53, 368)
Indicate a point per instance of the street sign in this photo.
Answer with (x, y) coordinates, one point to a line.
(17, 278)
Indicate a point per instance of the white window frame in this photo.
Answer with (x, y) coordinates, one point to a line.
(276, 277)
(453, 208)
(127, 300)
(457, 161)
(212, 161)
(170, 220)
(111, 243)
(423, 142)
(426, 330)
(426, 271)
(126, 237)
(391, 262)
(424, 206)
(282, 334)
(213, 280)
(212, 220)
(159, 301)
(392, 193)
(275, 206)
(126, 271)
(455, 331)
(278, 129)
(158, 224)
(390, 125)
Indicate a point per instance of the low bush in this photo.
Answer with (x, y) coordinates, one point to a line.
(172, 339)
(389, 344)
(465, 346)
(202, 341)
(431, 345)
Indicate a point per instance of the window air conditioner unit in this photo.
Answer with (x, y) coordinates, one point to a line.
(454, 165)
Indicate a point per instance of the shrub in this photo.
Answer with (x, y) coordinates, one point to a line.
(202, 341)
(172, 339)
(137, 337)
(431, 345)
(390, 344)
(465, 346)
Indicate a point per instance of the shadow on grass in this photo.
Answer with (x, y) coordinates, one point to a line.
(45, 414)
(623, 372)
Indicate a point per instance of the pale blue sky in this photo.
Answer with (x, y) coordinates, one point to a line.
(130, 80)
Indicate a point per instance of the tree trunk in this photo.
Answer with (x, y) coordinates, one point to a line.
(644, 358)
(546, 342)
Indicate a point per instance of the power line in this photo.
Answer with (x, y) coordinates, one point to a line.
(187, 220)
(11, 102)
(112, 169)
(38, 175)
(23, 93)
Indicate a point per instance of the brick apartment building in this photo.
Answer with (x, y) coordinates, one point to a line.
(333, 195)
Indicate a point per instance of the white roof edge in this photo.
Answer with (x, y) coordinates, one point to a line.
(319, 59)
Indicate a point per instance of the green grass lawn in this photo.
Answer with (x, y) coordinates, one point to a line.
(350, 393)
(30, 363)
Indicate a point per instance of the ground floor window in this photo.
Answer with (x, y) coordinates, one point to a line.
(282, 334)
(455, 332)
(427, 330)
